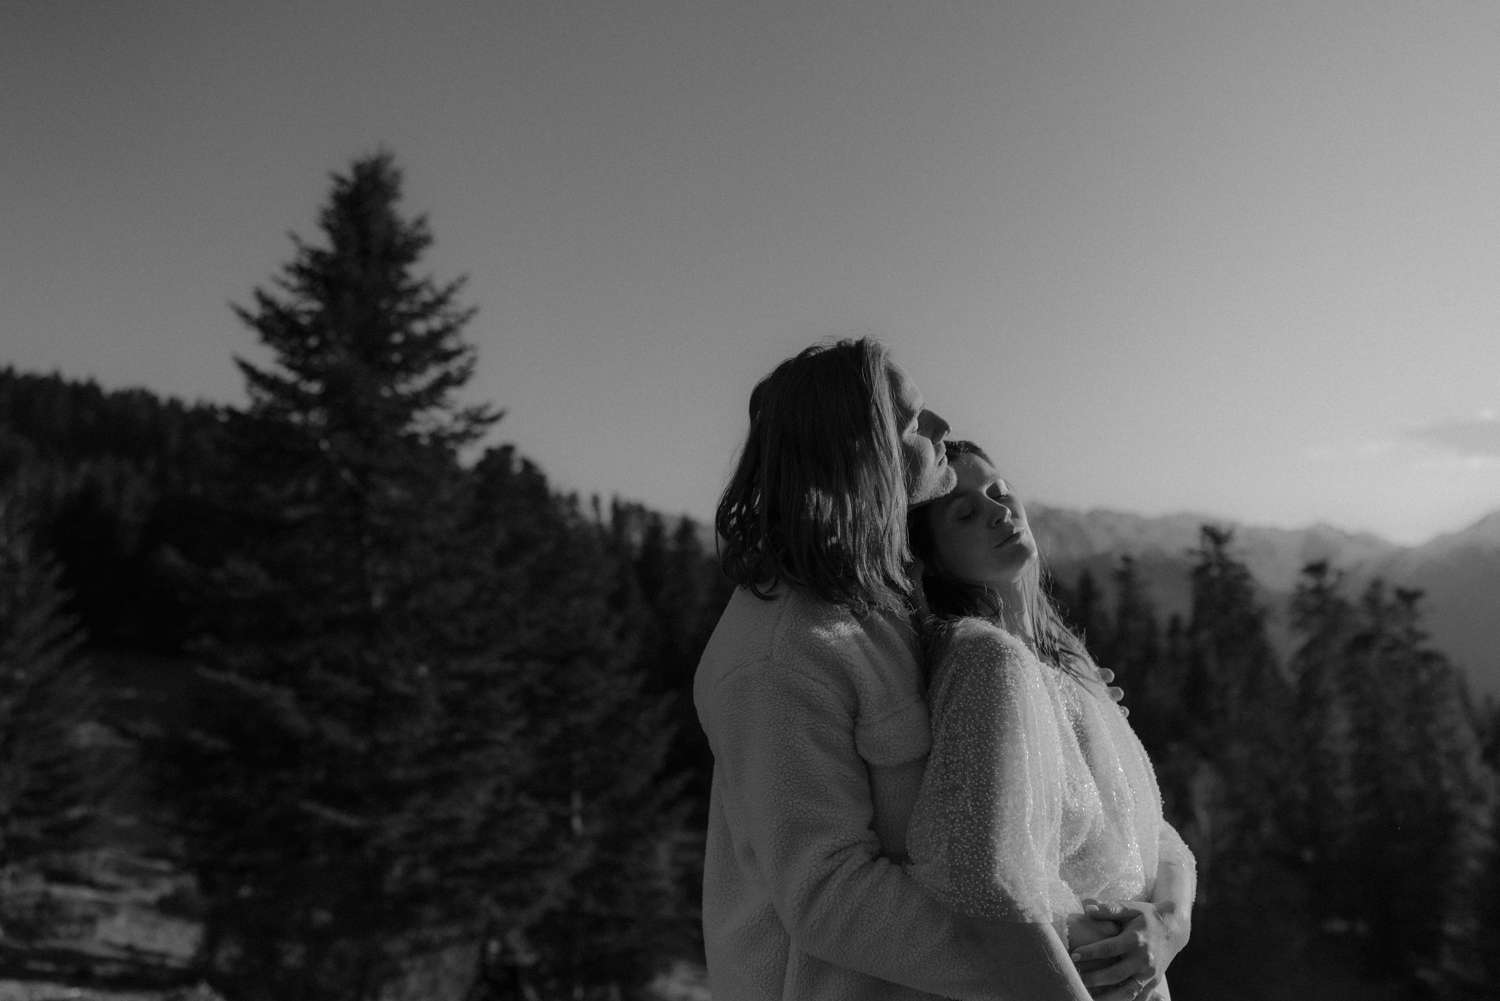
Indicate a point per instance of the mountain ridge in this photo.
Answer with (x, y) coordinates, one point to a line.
(1458, 572)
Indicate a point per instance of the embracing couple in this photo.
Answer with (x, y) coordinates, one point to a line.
(922, 784)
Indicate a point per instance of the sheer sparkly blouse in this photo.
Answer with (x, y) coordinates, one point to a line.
(1037, 792)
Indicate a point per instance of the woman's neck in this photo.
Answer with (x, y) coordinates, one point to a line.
(1015, 617)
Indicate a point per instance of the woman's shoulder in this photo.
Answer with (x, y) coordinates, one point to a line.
(969, 645)
(975, 635)
(983, 674)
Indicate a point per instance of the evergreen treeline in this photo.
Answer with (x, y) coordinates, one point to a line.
(439, 719)
(114, 483)
(1340, 806)
(436, 727)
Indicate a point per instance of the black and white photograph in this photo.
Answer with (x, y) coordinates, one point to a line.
(743, 500)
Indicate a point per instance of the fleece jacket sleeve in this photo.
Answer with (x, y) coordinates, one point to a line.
(784, 741)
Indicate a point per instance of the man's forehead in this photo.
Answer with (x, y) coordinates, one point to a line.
(904, 392)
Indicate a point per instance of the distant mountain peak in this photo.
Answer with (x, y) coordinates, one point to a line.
(1275, 555)
(1483, 534)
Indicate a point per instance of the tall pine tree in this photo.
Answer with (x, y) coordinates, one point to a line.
(1238, 715)
(293, 796)
(433, 734)
(1328, 693)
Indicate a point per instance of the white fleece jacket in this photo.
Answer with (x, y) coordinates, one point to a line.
(805, 706)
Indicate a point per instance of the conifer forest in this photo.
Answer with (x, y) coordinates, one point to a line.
(318, 698)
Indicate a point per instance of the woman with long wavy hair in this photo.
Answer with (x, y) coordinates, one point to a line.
(1038, 802)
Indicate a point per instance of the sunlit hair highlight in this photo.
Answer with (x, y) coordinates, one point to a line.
(818, 497)
(951, 599)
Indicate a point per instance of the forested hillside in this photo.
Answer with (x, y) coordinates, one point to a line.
(1458, 573)
(296, 704)
(388, 714)
(1322, 792)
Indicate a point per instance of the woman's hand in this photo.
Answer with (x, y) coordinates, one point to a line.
(1084, 930)
(1150, 937)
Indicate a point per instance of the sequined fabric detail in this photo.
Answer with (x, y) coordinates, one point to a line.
(1037, 792)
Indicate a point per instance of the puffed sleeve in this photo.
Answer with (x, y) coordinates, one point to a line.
(986, 830)
(1171, 848)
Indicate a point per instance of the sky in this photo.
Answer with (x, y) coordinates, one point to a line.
(1157, 256)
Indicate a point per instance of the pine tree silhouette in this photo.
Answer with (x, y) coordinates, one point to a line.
(295, 794)
(1326, 695)
(1398, 799)
(1237, 715)
(47, 796)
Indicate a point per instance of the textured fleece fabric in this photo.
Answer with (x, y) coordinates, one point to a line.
(803, 704)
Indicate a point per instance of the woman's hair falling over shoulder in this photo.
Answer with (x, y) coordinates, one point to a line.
(951, 600)
(818, 497)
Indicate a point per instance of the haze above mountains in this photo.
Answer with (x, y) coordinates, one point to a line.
(1459, 572)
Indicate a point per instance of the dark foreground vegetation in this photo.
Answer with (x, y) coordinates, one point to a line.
(308, 700)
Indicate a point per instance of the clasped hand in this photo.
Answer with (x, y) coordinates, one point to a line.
(1128, 965)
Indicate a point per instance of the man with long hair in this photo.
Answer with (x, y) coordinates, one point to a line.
(812, 696)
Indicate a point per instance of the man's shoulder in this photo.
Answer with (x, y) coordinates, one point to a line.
(796, 647)
(794, 629)
(813, 628)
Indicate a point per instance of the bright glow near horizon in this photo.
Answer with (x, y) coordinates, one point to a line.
(1235, 259)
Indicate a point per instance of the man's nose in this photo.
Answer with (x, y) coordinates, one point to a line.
(940, 428)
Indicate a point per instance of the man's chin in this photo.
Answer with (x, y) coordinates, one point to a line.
(941, 484)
